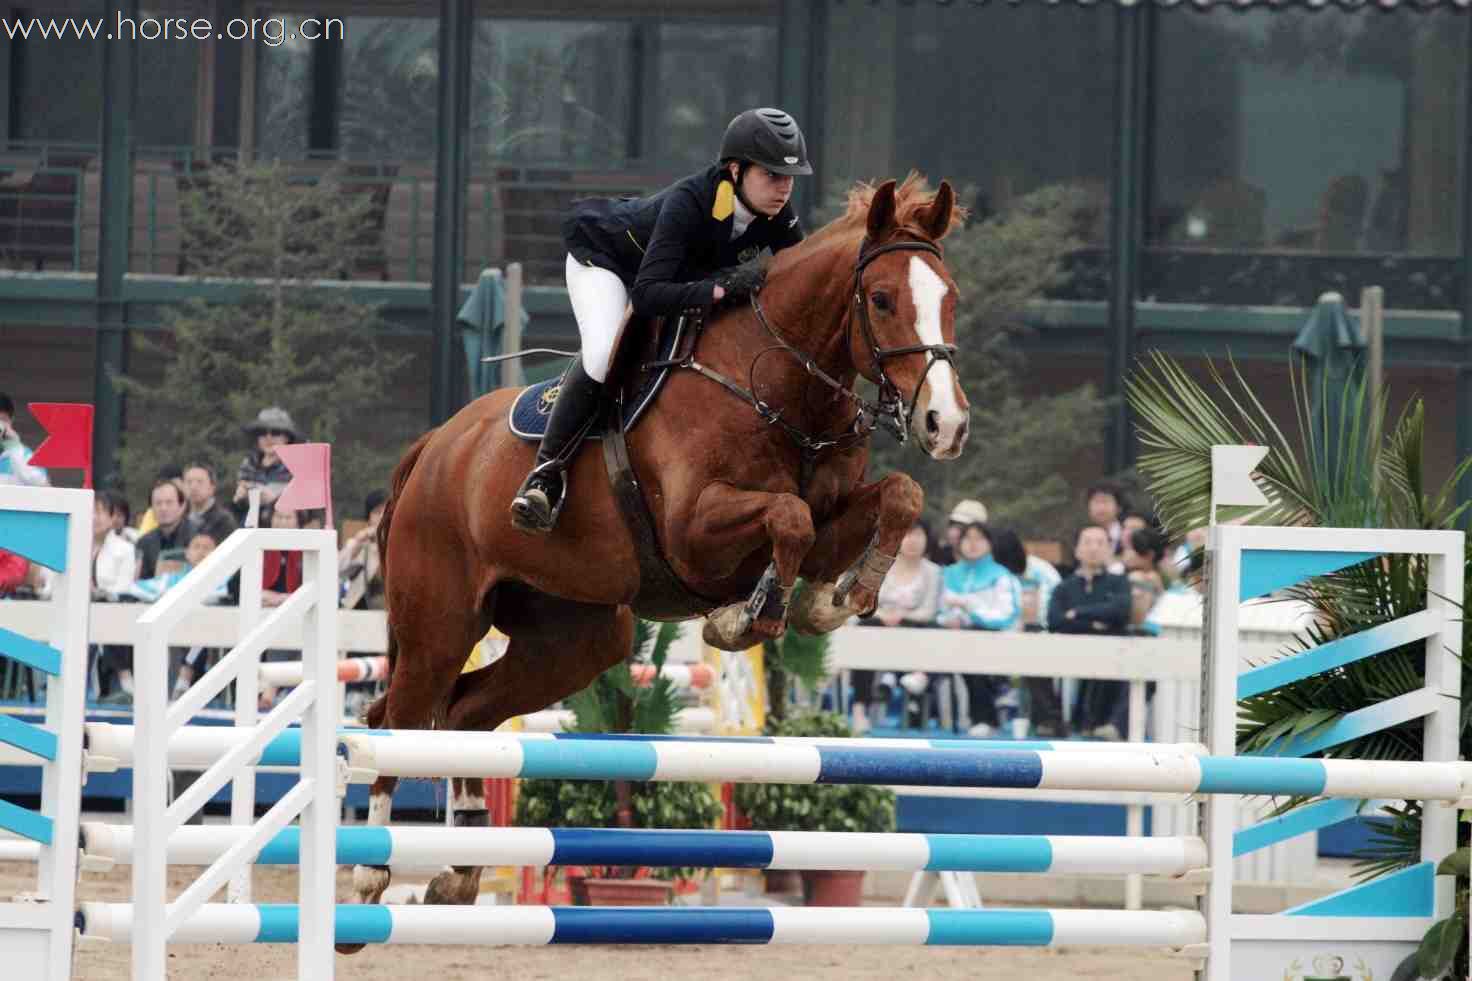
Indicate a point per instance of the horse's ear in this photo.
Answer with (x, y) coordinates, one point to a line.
(935, 217)
(881, 211)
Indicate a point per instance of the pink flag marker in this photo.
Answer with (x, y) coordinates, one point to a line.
(68, 440)
(311, 477)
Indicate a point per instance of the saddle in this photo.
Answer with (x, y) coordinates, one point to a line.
(637, 389)
(639, 374)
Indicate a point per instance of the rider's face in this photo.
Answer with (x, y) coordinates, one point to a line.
(765, 191)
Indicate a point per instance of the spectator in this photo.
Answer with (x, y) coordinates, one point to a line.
(114, 560)
(1142, 552)
(14, 571)
(1037, 576)
(170, 471)
(357, 561)
(1105, 503)
(969, 511)
(173, 531)
(1093, 601)
(977, 591)
(908, 596)
(262, 468)
(204, 510)
(15, 456)
(122, 516)
(1038, 579)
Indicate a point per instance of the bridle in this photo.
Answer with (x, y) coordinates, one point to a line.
(889, 410)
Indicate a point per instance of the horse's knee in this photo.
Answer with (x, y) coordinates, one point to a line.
(790, 524)
(901, 501)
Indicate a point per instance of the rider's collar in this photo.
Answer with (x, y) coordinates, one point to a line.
(741, 218)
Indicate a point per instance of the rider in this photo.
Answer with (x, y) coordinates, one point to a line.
(690, 245)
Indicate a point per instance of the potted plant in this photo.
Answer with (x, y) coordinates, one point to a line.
(613, 703)
(801, 661)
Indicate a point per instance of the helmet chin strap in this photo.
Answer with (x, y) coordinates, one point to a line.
(741, 169)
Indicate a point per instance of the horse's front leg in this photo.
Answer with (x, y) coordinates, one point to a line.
(732, 524)
(852, 553)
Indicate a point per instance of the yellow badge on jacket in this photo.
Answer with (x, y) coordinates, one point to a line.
(725, 201)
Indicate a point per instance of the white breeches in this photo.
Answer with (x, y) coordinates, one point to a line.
(601, 305)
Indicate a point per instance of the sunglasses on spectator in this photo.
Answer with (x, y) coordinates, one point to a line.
(274, 432)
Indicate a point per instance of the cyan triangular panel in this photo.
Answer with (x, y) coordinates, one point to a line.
(1409, 892)
(1264, 570)
(26, 823)
(1299, 821)
(38, 535)
(32, 739)
(42, 657)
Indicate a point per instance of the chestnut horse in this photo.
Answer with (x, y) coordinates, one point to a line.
(738, 480)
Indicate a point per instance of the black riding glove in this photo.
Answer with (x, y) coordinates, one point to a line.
(740, 282)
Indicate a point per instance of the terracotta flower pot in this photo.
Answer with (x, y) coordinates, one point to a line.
(830, 888)
(782, 882)
(623, 892)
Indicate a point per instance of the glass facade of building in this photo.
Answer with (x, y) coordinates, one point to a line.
(1279, 152)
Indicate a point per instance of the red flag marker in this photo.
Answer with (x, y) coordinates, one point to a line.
(68, 440)
(311, 477)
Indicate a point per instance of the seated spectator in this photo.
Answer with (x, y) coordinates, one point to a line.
(1142, 552)
(14, 573)
(977, 591)
(15, 456)
(1104, 502)
(1038, 579)
(175, 564)
(966, 512)
(149, 520)
(204, 510)
(908, 597)
(122, 517)
(114, 561)
(1094, 601)
(262, 468)
(357, 560)
(173, 531)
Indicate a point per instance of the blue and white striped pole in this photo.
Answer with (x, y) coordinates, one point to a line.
(398, 846)
(426, 754)
(539, 925)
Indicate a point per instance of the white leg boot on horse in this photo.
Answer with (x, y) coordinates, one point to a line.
(728, 515)
(848, 562)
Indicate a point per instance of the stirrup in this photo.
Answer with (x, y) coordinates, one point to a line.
(532, 509)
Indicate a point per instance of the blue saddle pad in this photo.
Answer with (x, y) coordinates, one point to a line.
(532, 408)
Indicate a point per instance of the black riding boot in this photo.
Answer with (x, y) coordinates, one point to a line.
(539, 501)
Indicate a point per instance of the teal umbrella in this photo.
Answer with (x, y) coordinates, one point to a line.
(482, 321)
(1333, 360)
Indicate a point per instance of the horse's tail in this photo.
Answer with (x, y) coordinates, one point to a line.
(375, 712)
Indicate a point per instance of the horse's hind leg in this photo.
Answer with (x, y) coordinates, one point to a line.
(557, 647)
(433, 638)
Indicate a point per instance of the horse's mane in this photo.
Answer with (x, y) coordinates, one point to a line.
(910, 197)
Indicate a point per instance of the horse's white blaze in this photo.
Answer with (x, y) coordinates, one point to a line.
(927, 289)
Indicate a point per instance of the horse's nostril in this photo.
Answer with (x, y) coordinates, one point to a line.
(932, 422)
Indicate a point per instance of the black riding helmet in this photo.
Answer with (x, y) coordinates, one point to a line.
(768, 138)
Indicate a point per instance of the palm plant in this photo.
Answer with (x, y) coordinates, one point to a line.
(1346, 469)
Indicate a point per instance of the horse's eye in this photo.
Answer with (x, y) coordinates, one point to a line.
(881, 302)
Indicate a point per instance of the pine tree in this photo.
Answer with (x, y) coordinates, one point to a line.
(284, 337)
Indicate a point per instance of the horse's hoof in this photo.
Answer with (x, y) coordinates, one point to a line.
(815, 612)
(729, 629)
(452, 888)
(369, 882)
(349, 948)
